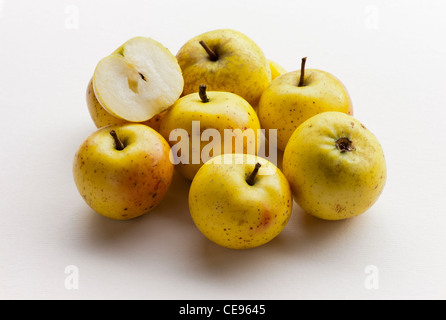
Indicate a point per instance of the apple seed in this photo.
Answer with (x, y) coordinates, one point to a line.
(142, 76)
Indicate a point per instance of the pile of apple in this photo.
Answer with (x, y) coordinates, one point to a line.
(144, 100)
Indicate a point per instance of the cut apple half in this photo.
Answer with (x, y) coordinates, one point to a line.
(139, 80)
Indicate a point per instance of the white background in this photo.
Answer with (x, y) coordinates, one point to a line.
(389, 54)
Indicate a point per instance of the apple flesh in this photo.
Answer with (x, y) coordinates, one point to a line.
(102, 117)
(123, 172)
(139, 80)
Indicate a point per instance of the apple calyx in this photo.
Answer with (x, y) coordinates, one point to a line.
(202, 92)
(302, 73)
(212, 55)
(118, 143)
(345, 145)
(253, 175)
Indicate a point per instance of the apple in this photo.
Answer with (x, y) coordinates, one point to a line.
(102, 117)
(217, 113)
(124, 171)
(296, 96)
(240, 201)
(276, 69)
(225, 60)
(335, 166)
(137, 81)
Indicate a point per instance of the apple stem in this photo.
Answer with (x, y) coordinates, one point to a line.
(345, 145)
(302, 72)
(202, 92)
(118, 143)
(212, 55)
(253, 175)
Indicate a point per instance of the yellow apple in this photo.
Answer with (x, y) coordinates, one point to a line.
(124, 171)
(225, 60)
(296, 96)
(200, 116)
(102, 117)
(240, 201)
(137, 81)
(335, 166)
(276, 69)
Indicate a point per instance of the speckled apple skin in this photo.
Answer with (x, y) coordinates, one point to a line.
(328, 183)
(224, 110)
(241, 67)
(102, 117)
(232, 213)
(276, 69)
(284, 105)
(124, 184)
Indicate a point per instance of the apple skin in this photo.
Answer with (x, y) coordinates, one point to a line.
(241, 67)
(234, 214)
(276, 69)
(326, 182)
(284, 105)
(224, 110)
(125, 184)
(102, 117)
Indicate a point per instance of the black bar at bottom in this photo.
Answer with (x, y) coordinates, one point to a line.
(223, 309)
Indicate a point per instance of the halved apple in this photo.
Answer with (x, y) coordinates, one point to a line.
(139, 80)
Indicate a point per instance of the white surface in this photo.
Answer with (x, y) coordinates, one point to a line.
(389, 54)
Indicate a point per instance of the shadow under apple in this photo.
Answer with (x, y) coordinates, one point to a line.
(175, 204)
(303, 236)
(171, 213)
(105, 232)
(305, 233)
